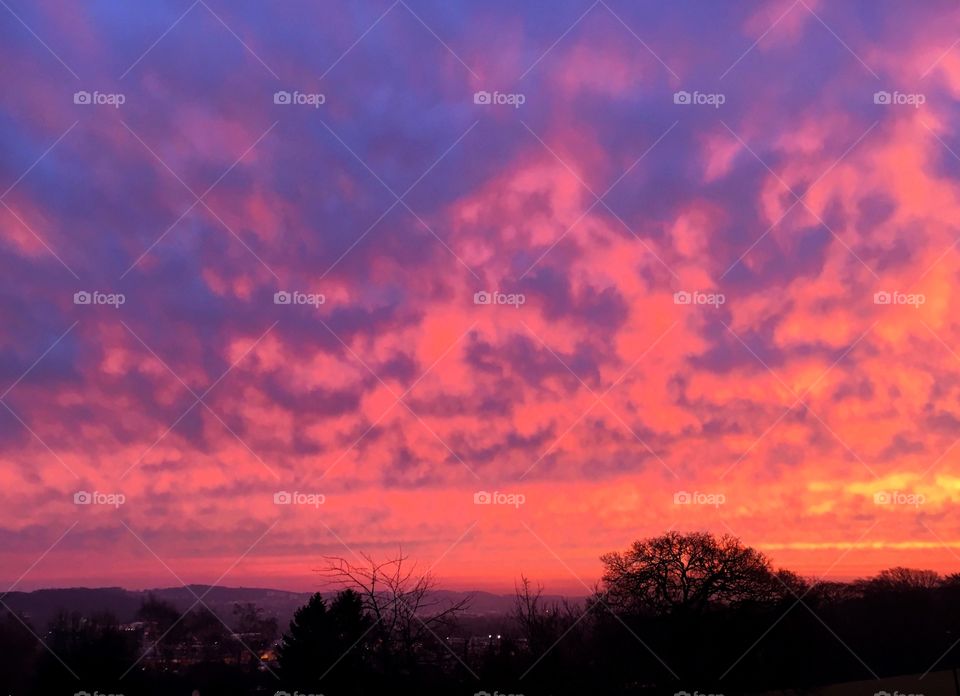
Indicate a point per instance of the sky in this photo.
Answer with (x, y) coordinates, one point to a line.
(499, 286)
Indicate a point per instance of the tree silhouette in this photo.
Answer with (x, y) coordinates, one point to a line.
(326, 647)
(542, 623)
(684, 574)
(900, 579)
(406, 613)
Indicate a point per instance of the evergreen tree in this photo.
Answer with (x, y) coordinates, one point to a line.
(325, 647)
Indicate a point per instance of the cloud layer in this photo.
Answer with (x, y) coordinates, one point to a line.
(720, 243)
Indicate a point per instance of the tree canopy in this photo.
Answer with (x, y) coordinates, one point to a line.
(686, 573)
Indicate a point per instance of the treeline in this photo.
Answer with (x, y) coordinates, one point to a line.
(163, 652)
(679, 612)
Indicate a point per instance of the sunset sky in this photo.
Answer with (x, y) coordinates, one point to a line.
(792, 168)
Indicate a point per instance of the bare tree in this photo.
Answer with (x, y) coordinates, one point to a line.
(900, 579)
(406, 611)
(542, 623)
(685, 573)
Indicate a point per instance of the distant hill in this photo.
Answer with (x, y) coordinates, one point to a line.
(42, 606)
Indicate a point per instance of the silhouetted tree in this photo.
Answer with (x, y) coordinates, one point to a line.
(407, 615)
(555, 635)
(685, 574)
(541, 624)
(325, 648)
(900, 579)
